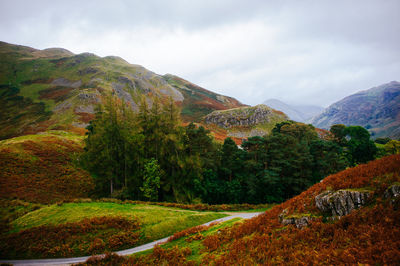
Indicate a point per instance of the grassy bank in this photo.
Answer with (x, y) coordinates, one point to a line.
(154, 222)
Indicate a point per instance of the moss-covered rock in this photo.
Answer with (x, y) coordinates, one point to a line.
(341, 202)
(246, 121)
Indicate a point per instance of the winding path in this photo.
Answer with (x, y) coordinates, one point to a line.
(69, 261)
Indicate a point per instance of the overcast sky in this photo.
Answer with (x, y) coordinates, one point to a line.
(302, 52)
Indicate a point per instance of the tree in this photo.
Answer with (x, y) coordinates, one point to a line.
(111, 146)
(361, 148)
(392, 147)
(151, 180)
(339, 134)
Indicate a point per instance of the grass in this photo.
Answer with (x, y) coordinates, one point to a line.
(11, 210)
(256, 210)
(156, 222)
(43, 136)
(32, 91)
(195, 245)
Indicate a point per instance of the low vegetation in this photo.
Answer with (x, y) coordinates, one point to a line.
(93, 228)
(88, 236)
(369, 235)
(41, 168)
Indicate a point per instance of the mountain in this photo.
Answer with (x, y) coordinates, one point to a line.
(197, 101)
(55, 89)
(244, 122)
(300, 113)
(377, 109)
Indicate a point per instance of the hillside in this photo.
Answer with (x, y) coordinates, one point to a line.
(299, 113)
(351, 217)
(377, 109)
(246, 122)
(198, 101)
(41, 169)
(56, 89)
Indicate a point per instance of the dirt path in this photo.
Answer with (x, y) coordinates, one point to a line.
(69, 261)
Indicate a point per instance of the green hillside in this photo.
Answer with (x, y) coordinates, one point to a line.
(56, 89)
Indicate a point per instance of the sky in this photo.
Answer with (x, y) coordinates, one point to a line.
(301, 52)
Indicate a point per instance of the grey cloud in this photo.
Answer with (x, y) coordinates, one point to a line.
(299, 51)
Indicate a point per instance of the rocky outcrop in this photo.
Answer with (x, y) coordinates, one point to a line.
(124, 95)
(244, 116)
(341, 202)
(66, 83)
(299, 220)
(392, 192)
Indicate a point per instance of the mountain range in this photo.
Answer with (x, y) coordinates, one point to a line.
(56, 89)
(377, 109)
(299, 113)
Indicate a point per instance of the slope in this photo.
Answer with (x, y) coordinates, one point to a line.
(56, 89)
(351, 217)
(40, 168)
(299, 113)
(245, 122)
(377, 109)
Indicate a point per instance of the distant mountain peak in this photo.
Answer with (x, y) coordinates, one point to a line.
(377, 109)
(300, 113)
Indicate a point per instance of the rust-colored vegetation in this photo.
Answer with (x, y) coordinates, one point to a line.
(370, 235)
(190, 231)
(42, 170)
(159, 256)
(195, 207)
(85, 117)
(88, 236)
(55, 93)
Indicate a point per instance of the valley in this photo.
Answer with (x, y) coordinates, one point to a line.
(98, 155)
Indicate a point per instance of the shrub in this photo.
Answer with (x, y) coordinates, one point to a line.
(88, 236)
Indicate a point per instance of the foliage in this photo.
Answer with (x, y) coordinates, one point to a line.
(392, 147)
(382, 140)
(156, 222)
(111, 146)
(10, 210)
(41, 169)
(88, 236)
(190, 231)
(121, 142)
(271, 168)
(151, 180)
(370, 235)
(20, 114)
(360, 148)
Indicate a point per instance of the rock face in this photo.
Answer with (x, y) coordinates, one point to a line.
(246, 121)
(246, 116)
(376, 109)
(299, 221)
(392, 192)
(341, 202)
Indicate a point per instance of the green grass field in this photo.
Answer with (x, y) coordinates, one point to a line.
(192, 243)
(156, 221)
(86, 228)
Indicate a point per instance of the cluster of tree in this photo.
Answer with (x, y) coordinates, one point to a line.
(148, 155)
(140, 155)
(387, 146)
